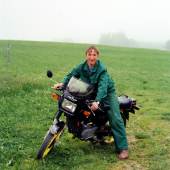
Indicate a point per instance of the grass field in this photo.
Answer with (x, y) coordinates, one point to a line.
(26, 109)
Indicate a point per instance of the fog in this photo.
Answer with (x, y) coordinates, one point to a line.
(84, 20)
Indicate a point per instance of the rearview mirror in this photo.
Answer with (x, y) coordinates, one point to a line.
(49, 74)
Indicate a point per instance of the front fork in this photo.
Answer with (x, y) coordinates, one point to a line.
(57, 123)
(58, 115)
(59, 112)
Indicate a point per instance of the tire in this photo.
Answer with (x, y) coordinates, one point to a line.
(124, 118)
(48, 143)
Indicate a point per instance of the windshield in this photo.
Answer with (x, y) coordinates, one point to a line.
(79, 87)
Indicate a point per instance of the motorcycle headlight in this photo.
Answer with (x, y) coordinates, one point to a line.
(68, 105)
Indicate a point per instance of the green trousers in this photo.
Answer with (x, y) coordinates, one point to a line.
(116, 122)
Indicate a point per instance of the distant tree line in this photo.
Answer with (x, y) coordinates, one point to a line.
(120, 39)
(116, 39)
(167, 45)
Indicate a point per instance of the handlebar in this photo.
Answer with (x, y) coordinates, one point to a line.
(60, 89)
(102, 106)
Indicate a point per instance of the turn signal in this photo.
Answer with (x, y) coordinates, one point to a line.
(86, 113)
(55, 96)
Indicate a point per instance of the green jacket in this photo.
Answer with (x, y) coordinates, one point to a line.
(97, 76)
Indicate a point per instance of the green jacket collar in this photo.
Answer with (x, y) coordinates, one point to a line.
(93, 70)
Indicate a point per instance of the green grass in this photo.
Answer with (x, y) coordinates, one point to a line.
(26, 109)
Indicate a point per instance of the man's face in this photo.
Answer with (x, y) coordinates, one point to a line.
(91, 58)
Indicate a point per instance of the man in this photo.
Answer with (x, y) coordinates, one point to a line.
(93, 71)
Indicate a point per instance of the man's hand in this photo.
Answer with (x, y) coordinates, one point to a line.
(94, 106)
(57, 86)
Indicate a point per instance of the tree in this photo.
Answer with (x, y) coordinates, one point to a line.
(116, 39)
(167, 45)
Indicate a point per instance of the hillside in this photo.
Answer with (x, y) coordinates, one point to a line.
(26, 109)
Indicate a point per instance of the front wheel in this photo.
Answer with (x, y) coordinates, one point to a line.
(49, 141)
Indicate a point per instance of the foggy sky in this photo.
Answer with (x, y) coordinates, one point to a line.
(84, 20)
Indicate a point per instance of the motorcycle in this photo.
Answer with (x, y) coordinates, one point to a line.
(74, 102)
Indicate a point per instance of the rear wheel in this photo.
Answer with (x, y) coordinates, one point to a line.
(48, 143)
(124, 117)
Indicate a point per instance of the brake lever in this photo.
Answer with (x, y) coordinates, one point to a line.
(100, 109)
(91, 111)
(88, 104)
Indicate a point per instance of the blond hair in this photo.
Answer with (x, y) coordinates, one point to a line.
(92, 48)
